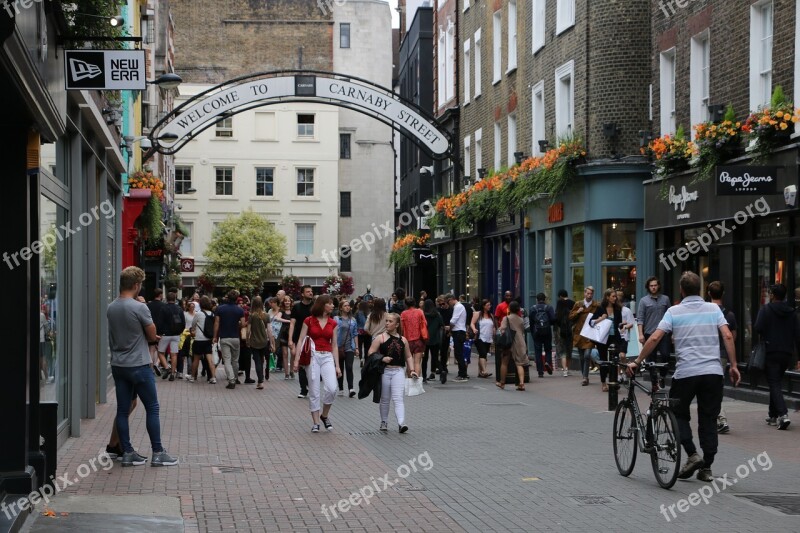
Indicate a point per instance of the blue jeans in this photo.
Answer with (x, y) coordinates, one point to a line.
(130, 382)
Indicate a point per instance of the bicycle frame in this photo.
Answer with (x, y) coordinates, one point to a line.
(644, 426)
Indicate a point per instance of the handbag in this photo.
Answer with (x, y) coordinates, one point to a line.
(423, 328)
(597, 333)
(305, 351)
(414, 387)
(758, 356)
(505, 340)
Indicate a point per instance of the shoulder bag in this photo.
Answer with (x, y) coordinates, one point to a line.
(305, 351)
(758, 356)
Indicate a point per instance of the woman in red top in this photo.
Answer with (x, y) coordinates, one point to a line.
(321, 329)
(413, 323)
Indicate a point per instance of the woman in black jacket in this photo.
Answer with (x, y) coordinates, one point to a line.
(609, 307)
(433, 345)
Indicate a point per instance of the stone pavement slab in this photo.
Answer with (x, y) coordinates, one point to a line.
(475, 459)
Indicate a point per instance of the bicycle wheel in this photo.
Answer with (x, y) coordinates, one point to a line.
(666, 448)
(625, 445)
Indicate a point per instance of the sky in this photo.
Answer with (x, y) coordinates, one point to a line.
(395, 14)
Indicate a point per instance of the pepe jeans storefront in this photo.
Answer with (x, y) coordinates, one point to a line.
(741, 228)
(458, 260)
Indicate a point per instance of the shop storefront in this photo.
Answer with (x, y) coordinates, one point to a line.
(503, 257)
(593, 234)
(741, 228)
(458, 264)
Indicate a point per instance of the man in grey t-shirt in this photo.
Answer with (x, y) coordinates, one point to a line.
(648, 315)
(130, 328)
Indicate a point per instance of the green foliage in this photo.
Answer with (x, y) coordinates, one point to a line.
(150, 221)
(245, 251)
(730, 114)
(76, 13)
(180, 226)
(778, 98)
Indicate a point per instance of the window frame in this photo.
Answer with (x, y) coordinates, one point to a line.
(538, 25)
(313, 125)
(565, 15)
(221, 131)
(538, 113)
(477, 53)
(511, 139)
(348, 212)
(345, 149)
(342, 26)
(760, 95)
(478, 151)
(700, 78)
(467, 66)
(183, 181)
(667, 72)
(567, 70)
(270, 182)
(468, 157)
(511, 53)
(497, 46)
(498, 147)
(224, 181)
(304, 225)
(305, 183)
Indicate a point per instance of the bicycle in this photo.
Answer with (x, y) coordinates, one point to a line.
(655, 432)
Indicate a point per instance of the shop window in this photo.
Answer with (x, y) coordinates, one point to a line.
(577, 245)
(619, 241)
(578, 284)
(473, 273)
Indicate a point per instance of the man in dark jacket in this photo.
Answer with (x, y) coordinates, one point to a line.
(542, 319)
(778, 326)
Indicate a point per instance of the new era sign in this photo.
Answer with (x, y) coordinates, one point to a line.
(105, 69)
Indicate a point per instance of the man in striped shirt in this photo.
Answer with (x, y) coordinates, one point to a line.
(696, 327)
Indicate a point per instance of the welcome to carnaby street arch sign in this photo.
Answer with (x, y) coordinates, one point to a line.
(256, 90)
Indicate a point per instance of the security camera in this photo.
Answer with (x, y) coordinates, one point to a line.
(426, 170)
(146, 144)
(790, 195)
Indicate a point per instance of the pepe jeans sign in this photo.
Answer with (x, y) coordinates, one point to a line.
(679, 199)
(732, 181)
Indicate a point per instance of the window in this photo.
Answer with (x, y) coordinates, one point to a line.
(538, 12)
(224, 181)
(467, 157)
(761, 21)
(512, 36)
(264, 126)
(450, 65)
(619, 247)
(264, 182)
(225, 127)
(512, 139)
(345, 206)
(667, 88)
(441, 59)
(186, 243)
(344, 146)
(699, 80)
(467, 80)
(565, 15)
(305, 125)
(466, 5)
(478, 70)
(537, 115)
(183, 180)
(497, 40)
(305, 239)
(497, 146)
(345, 259)
(565, 97)
(305, 182)
(478, 151)
(344, 35)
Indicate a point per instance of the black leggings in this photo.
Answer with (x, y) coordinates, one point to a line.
(483, 348)
(348, 367)
(364, 342)
(259, 355)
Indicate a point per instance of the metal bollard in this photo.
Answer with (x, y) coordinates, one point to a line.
(613, 384)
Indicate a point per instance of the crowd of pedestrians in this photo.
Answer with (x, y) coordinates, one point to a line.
(324, 342)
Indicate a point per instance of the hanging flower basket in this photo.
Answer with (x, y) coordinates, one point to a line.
(292, 285)
(338, 285)
(773, 126)
(146, 180)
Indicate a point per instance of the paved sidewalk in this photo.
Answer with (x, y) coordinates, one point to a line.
(539, 460)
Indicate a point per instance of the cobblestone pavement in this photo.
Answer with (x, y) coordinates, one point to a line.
(486, 460)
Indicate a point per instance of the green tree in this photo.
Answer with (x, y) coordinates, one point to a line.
(244, 251)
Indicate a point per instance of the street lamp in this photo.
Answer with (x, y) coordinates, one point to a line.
(167, 81)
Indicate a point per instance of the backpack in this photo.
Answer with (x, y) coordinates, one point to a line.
(208, 325)
(541, 321)
(177, 322)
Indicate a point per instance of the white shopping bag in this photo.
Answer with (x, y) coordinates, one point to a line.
(414, 387)
(597, 333)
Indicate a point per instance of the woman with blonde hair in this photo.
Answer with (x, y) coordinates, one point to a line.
(399, 364)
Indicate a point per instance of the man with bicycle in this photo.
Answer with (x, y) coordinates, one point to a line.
(696, 327)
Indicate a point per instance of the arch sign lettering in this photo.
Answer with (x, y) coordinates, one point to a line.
(205, 109)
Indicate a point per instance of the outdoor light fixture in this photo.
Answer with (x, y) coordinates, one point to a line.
(610, 130)
(543, 145)
(519, 157)
(116, 22)
(644, 138)
(481, 173)
(167, 81)
(426, 170)
(190, 190)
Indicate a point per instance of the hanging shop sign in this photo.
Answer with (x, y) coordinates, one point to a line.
(187, 264)
(105, 70)
(732, 181)
(555, 213)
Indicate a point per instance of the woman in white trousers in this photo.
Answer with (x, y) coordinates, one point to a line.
(399, 361)
(321, 330)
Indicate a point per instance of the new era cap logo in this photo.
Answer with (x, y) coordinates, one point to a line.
(82, 70)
